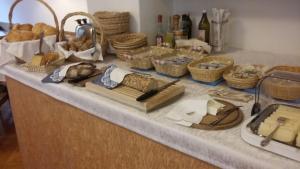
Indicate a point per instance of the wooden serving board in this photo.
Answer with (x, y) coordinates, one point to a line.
(127, 95)
(233, 119)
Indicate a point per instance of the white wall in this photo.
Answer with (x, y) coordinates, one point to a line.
(131, 6)
(30, 11)
(260, 25)
(149, 12)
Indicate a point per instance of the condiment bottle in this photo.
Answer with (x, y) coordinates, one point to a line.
(204, 28)
(159, 34)
(169, 37)
(186, 26)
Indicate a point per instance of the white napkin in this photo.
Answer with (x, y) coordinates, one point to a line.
(118, 75)
(26, 49)
(86, 55)
(191, 111)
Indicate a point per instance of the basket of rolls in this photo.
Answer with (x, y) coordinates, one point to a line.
(88, 48)
(22, 42)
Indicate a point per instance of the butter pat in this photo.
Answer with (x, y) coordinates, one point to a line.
(36, 60)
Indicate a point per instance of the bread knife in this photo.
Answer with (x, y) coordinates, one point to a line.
(151, 93)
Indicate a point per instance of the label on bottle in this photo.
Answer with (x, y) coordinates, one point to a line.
(201, 35)
(159, 41)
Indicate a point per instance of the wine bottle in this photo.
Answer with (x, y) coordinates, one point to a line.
(159, 34)
(204, 28)
(186, 26)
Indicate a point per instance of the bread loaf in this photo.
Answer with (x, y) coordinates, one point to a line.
(22, 27)
(19, 35)
(140, 82)
(42, 27)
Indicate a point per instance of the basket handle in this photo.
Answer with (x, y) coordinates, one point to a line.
(10, 15)
(91, 17)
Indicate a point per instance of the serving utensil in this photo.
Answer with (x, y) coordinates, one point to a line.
(225, 113)
(151, 93)
(280, 122)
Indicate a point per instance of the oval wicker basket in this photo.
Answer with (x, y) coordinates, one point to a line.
(10, 17)
(141, 58)
(239, 83)
(109, 15)
(282, 89)
(206, 75)
(100, 37)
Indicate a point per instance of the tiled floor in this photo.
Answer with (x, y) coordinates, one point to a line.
(10, 157)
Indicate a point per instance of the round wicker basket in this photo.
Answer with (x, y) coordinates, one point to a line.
(206, 75)
(239, 83)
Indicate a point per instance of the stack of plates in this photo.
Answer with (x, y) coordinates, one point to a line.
(113, 23)
(125, 43)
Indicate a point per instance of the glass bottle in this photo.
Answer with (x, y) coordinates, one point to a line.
(159, 34)
(169, 37)
(204, 28)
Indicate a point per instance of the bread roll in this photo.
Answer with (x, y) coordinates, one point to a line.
(17, 36)
(42, 27)
(139, 82)
(22, 27)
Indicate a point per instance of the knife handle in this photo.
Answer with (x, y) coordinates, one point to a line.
(147, 95)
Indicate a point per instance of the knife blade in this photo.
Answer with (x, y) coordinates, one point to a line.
(151, 93)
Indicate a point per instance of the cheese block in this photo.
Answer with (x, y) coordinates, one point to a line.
(283, 134)
(298, 140)
(36, 60)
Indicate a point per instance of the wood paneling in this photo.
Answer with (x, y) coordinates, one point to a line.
(53, 134)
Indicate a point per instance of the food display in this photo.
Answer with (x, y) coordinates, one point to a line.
(286, 133)
(210, 69)
(42, 60)
(79, 44)
(244, 76)
(80, 71)
(25, 32)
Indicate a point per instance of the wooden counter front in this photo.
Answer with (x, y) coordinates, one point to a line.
(55, 135)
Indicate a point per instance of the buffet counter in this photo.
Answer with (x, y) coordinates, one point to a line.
(58, 126)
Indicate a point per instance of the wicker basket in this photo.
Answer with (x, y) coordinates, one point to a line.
(173, 70)
(282, 89)
(10, 17)
(141, 58)
(206, 75)
(113, 22)
(239, 83)
(100, 37)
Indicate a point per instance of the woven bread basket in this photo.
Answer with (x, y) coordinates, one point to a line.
(282, 89)
(100, 36)
(239, 83)
(173, 70)
(10, 17)
(45, 68)
(206, 75)
(141, 58)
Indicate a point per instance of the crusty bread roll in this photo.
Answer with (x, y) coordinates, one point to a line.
(22, 27)
(42, 27)
(140, 82)
(19, 35)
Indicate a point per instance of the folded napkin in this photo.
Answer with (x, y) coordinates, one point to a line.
(191, 111)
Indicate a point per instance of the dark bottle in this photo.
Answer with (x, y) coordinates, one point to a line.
(204, 28)
(187, 26)
(159, 34)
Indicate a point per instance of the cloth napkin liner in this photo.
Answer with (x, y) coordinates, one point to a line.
(26, 49)
(191, 111)
(94, 53)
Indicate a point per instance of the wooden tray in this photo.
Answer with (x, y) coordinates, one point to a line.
(230, 121)
(127, 95)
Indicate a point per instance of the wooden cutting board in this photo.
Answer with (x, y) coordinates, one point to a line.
(233, 119)
(127, 95)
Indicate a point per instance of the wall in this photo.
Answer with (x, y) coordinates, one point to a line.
(260, 25)
(149, 11)
(30, 11)
(118, 5)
